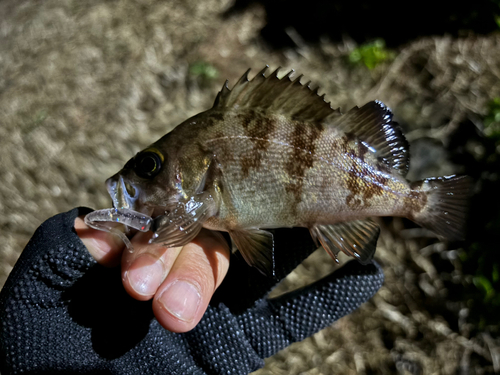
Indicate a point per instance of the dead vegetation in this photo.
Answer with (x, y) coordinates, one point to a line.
(86, 84)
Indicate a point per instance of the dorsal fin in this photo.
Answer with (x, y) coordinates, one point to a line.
(372, 124)
(274, 95)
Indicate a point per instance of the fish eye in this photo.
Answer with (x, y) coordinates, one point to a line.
(147, 164)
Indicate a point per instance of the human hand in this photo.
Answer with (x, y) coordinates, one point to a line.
(62, 312)
(181, 281)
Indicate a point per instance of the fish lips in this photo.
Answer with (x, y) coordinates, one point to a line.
(124, 194)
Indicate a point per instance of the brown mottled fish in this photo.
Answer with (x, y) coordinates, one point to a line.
(271, 153)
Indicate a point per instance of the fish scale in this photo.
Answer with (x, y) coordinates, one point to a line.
(272, 153)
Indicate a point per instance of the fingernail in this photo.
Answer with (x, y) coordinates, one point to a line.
(181, 299)
(145, 275)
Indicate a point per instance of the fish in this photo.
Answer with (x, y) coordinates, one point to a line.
(272, 153)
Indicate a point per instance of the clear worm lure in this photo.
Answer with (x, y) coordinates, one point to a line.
(105, 219)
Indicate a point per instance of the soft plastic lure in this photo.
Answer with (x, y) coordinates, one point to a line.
(107, 219)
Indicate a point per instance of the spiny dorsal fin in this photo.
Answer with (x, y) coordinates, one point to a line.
(372, 124)
(274, 95)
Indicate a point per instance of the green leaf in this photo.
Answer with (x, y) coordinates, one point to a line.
(492, 120)
(371, 54)
(203, 70)
(483, 284)
(495, 274)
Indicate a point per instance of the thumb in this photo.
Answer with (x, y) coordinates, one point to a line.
(276, 323)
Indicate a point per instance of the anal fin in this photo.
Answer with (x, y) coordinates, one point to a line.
(356, 238)
(257, 248)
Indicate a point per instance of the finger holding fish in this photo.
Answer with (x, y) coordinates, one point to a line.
(181, 280)
(146, 267)
(183, 297)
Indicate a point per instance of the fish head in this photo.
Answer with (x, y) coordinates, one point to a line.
(150, 182)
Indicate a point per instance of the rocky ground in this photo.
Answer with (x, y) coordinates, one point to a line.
(86, 84)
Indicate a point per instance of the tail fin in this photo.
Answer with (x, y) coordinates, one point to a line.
(446, 208)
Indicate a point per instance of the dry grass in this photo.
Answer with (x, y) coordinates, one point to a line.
(86, 84)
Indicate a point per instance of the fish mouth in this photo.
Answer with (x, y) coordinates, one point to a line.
(123, 194)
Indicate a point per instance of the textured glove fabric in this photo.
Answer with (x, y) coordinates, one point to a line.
(61, 312)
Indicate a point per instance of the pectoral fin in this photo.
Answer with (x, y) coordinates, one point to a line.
(356, 238)
(257, 248)
(182, 224)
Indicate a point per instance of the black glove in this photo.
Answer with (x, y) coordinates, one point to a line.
(61, 312)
